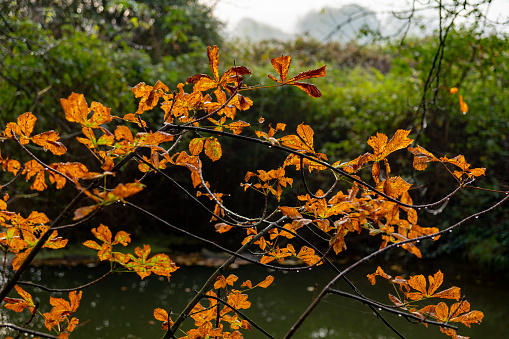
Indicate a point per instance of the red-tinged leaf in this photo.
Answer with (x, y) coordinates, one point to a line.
(213, 149)
(281, 65)
(312, 73)
(379, 272)
(196, 145)
(84, 211)
(395, 300)
(202, 82)
(290, 212)
(222, 227)
(310, 89)
(49, 140)
(266, 282)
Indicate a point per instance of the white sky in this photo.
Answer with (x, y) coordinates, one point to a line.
(284, 14)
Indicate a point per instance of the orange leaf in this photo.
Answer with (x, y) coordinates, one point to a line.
(281, 65)
(307, 254)
(196, 146)
(417, 282)
(26, 123)
(213, 149)
(435, 282)
(222, 227)
(213, 55)
(450, 293)
(49, 140)
(290, 212)
(239, 301)
(463, 106)
(163, 316)
(266, 282)
(380, 272)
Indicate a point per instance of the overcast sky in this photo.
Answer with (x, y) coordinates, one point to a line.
(284, 14)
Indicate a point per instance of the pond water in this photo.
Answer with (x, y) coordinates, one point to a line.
(121, 306)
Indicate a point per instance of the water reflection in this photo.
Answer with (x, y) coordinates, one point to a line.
(121, 306)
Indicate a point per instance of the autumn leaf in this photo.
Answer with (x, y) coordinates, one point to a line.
(290, 212)
(23, 128)
(266, 282)
(163, 316)
(149, 95)
(222, 282)
(212, 148)
(463, 105)
(49, 141)
(239, 300)
(63, 309)
(445, 314)
(203, 82)
(307, 254)
(302, 142)
(382, 148)
(76, 110)
(282, 65)
(18, 305)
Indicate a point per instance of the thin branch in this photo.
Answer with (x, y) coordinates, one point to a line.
(42, 287)
(208, 284)
(391, 310)
(359, 262)
(28, 331)
(318, 161)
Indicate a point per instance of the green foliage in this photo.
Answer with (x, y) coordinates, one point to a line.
(50, 49)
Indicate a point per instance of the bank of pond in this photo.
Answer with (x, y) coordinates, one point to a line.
(122, 305)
